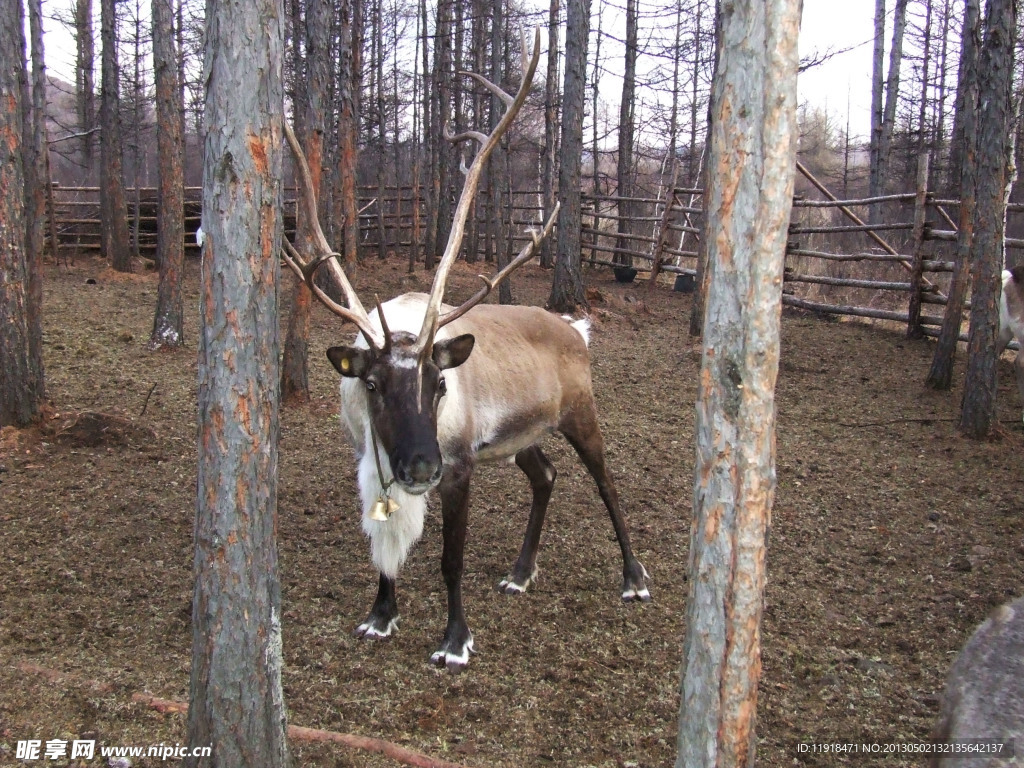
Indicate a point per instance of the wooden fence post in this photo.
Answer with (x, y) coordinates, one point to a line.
(914, 329)
(659, 249)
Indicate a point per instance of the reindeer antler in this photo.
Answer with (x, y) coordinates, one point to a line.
(325, 255)
(490, 283)
(425, 340)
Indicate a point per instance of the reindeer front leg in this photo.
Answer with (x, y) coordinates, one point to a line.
(454, 489)
(383, 618)
(390, 542)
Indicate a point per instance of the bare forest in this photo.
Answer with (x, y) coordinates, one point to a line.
(184, 557)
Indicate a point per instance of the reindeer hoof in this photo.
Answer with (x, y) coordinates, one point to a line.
(452, 658)
(632, 595)
(376, 629)
(513, 585)
(634, 588)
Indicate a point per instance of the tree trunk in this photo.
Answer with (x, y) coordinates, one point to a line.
(753, 145)
(417, 143)
(624, 168)
(396, 236)
(498, 175)
(429, 141)
(317, 66)
(547, 255)
(693, 166)
(347, 134)
(700, 295)
(37, 188)
(964, 179)
(892, 89)
(236, 699)
(442, 99)
(567, 294)
(113, 211)
(19, 403)
(169, 319)
(923, 139)
(995, 115)
(348, 122)
(941, 67)
(381, 127)
(135, 132)
(595, 149)
(85, 86)
(877, 107)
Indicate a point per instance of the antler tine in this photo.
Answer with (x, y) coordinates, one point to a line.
(526, 254)
(305, 272)
(425, 341)
(476, 136)
(522, 47)
(324, 254)
(496, 90)
(383, 325)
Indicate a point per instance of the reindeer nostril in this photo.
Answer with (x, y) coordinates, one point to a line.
(422, 470)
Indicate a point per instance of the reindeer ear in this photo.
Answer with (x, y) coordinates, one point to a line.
(451, 353)
(350, 361)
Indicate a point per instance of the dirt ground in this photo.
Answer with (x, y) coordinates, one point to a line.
(891, 539)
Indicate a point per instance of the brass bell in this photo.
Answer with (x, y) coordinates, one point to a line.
(383, 508)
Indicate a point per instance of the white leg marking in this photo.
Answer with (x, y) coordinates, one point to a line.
(510, 587)
(368, 631)
(452, 661)
(638, 594)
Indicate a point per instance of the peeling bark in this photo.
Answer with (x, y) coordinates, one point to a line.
(995, 115)
(236, 698)
(753, 143)
(19, 401)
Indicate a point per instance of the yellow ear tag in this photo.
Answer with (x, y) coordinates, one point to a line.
(345, 364)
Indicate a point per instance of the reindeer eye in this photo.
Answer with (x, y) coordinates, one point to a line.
(442, 387)
(370, 386)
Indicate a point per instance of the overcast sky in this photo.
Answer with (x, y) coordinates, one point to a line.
(846, 78)
(827, 25)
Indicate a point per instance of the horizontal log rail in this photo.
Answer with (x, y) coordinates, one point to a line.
(798, 229)
(616, 235)
(800, 202)
(616, 217)
(884, 257)
(950, 236)
(848, 282)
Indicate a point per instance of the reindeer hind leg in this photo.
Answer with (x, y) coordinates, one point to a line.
(541, 474)
(581, 429)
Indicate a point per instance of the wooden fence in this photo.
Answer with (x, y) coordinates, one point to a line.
(389, 222)
(836, 262)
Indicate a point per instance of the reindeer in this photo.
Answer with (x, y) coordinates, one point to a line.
(429, 391)
(1011, 320)
(984, 698)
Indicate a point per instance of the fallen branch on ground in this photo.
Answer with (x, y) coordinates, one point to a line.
(295, 732)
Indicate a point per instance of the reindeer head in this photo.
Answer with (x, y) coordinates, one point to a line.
(404, 388)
